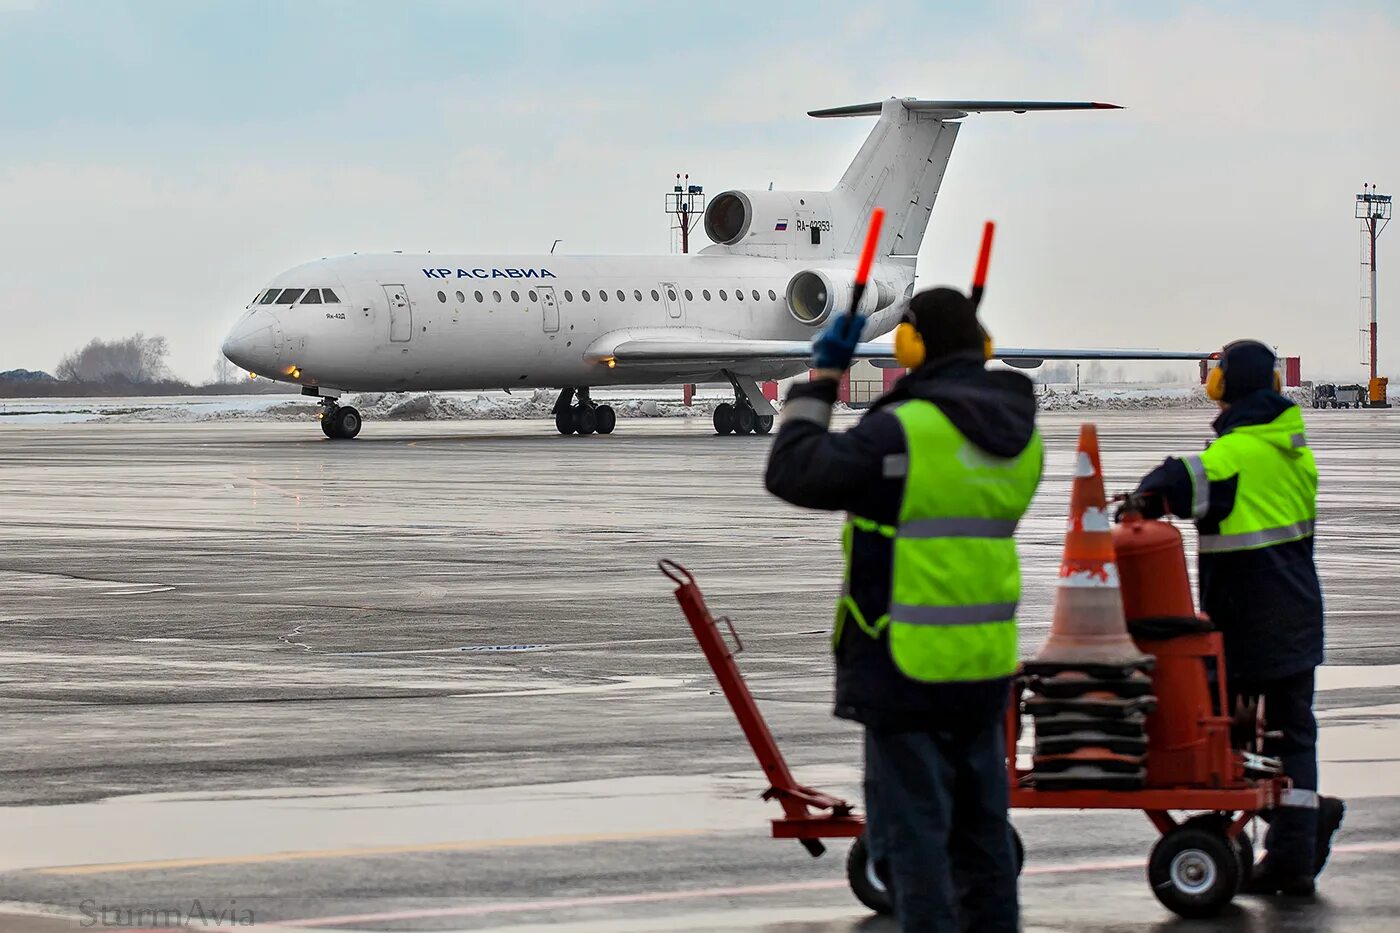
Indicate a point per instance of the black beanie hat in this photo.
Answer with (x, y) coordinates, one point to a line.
(1249, 367)
(947, 321)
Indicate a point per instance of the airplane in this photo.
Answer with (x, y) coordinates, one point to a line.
(743, 310)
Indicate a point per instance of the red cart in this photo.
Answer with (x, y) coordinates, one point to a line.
(1195, 868)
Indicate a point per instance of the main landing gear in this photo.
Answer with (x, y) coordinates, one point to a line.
(741, 417)
(586, 417)
(339, 422)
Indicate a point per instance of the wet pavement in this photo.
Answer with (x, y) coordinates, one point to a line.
(432, 680)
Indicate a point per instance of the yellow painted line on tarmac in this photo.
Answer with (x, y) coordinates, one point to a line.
(474, 845)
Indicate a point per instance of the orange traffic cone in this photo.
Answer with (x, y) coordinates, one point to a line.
(1088, 632)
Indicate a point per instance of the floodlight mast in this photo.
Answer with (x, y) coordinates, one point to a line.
(686, 204)
(1373, 210)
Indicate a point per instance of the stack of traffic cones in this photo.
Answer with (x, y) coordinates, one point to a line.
(1091, 692)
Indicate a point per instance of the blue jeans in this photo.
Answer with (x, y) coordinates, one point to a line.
(936, 806)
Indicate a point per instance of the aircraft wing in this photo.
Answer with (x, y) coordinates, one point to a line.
(723, 350)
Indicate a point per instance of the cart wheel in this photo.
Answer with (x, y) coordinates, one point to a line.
(865, 882)
(1194, 871)
(1244, 848)
(1018, 849)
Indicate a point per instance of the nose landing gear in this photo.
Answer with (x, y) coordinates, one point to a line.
(585, 418)
(339, 422)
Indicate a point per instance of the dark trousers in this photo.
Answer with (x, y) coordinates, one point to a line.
(1291, 842)
(936, 823)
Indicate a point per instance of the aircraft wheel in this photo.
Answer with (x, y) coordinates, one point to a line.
(585, 420)
(724, 418)
(607, 419)
(745, 420)
(764, 424)
(564, 420)
(345, 423)
(327, 425)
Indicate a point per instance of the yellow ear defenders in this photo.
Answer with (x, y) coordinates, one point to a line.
(1215, 379)
(909, 350)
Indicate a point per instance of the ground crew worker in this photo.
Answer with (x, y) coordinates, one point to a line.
(934, 479)
(1253, 496)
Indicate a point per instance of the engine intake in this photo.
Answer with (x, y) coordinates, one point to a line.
(728, 217)
(813, 294)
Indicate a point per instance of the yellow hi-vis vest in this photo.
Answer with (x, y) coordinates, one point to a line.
(1276, 491)
(956, 579)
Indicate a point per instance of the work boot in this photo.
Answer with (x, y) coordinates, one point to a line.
(1267, 880)
(1330, 811)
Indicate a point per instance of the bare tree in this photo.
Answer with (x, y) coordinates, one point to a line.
(137, 358)
(223, 370)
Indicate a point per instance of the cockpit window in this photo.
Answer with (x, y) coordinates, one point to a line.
(270, 297)
(289, 295)
(312, 297)
(330, 297)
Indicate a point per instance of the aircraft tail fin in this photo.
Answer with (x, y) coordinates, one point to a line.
(900, 167)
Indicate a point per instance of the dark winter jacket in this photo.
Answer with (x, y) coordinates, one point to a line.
(1267, 602)
(812, 467)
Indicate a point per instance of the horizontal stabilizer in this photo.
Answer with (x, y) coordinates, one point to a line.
(957, 108)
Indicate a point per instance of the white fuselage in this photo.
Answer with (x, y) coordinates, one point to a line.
(414, 322)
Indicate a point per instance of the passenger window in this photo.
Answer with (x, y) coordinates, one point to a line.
(312, 297)
(671, 294)
(329, 297)
(568, 295)
(621, 296)
(738, 294)
(772, 296)
(637, 294)
(654, 295)
(706, 293)
(755, 295)
(723, 295)
(602, 294)
(515, 296)
(461, 298)
(289, 295)
(688, 295)
(496, 296)
(534, 295)
(477, 296)
(271, 296)
(585, 295)
(442, 297)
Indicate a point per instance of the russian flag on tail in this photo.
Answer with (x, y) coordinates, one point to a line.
(780, 225)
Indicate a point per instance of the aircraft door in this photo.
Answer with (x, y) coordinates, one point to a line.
(400, 313)
(671, 298)
(551, 310)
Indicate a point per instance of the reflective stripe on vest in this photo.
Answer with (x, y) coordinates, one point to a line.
(954, 576)
(1249, 540)
(1200, 487)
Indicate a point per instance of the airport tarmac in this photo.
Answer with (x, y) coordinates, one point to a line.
(432, 680)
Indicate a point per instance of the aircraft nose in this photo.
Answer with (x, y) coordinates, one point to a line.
(254, 343)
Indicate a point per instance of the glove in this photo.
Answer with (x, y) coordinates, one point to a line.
(835, 346)
(1146, 504)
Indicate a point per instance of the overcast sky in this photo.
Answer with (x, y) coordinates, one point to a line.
(159, 161)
